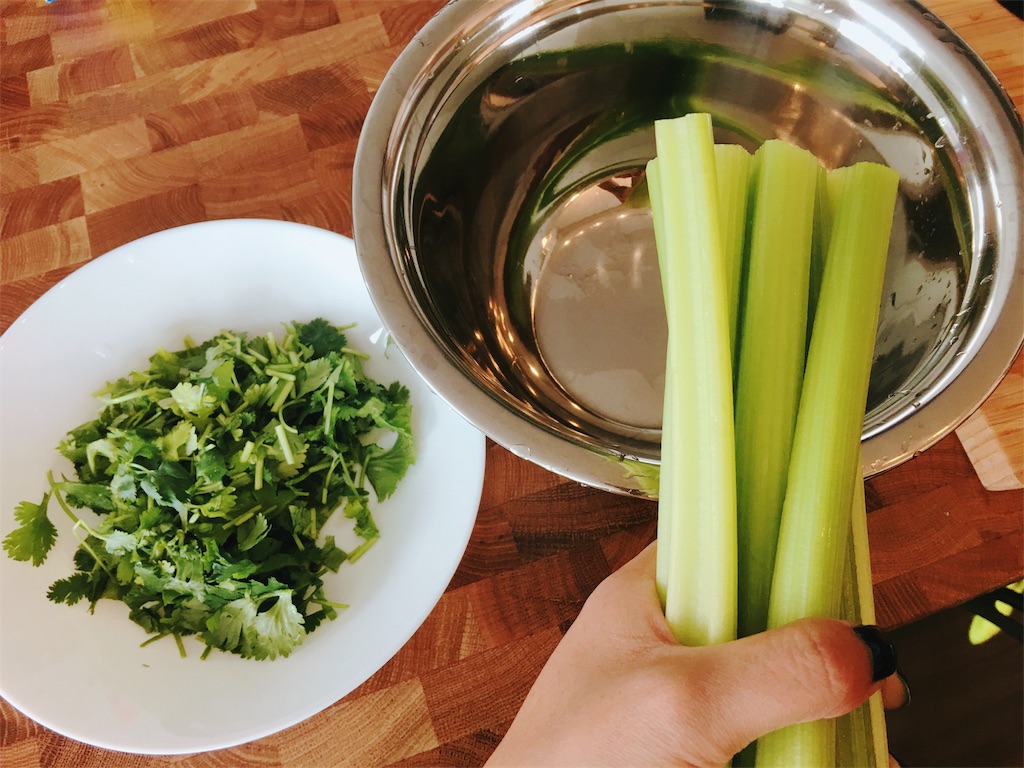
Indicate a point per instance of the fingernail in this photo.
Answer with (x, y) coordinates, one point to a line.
(906, 687)
(883, 653)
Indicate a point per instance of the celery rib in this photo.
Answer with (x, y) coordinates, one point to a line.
(666, 491)
(816, 519)
(771, 361)
(701, 574)
(875, 727)
(732, 171)
(826, 446)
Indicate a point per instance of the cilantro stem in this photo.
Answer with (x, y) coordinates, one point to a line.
(329, 407)
(328, 603)
(282, 440)
(54, 487)
(251, 361)
(362, 549)
(135, 394)
(84, 544)
(312, 471)
(282, 396)
(327, 479)
(244, 517)
(275, 373)
(348, 475)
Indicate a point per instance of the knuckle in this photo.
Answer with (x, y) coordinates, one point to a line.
(826, 664)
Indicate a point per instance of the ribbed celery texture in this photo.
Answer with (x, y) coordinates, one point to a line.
(666, 480)
(732, 172)
(825, 461)
(861, 738)
(826, 445)
(700, 496)
(771, 360)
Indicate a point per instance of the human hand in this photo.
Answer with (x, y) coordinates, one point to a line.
(619, 689)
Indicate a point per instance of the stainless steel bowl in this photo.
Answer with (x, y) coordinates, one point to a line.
(502, 247)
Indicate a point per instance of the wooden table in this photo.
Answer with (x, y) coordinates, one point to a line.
(124, 117)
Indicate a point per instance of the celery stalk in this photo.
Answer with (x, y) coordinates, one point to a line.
(861, 737)
(771, 361)
(732, 170)
(856, 733)
(819, 249)
(700, 602)
(826, 447)
(866, 605)
(666, 489)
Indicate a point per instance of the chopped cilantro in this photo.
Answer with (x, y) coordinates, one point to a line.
(213, 473)
(35, 535)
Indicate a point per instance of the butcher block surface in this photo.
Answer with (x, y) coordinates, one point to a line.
(119, 118)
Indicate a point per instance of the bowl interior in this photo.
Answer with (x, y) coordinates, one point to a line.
(517, 222)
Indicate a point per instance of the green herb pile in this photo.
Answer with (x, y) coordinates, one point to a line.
(213, 473)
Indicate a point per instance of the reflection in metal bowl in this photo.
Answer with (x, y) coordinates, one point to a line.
(501, 223)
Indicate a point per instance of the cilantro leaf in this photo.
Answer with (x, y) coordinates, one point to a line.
(88, 495)
(276, 631)
(241, 626)
(384, 468)
(70, 590)
(35, 534)
(322, 337)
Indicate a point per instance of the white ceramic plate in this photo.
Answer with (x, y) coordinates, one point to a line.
(85, 676)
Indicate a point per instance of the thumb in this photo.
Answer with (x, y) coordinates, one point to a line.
(808, 670)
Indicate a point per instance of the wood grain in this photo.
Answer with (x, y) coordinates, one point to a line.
(119, 118)
(993, 436)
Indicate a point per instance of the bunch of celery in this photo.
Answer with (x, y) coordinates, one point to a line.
(772, 270)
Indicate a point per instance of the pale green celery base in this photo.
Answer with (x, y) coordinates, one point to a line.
(700, 602)
(771, 360)
(826, 447)
(804, 745)
(817, 520)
